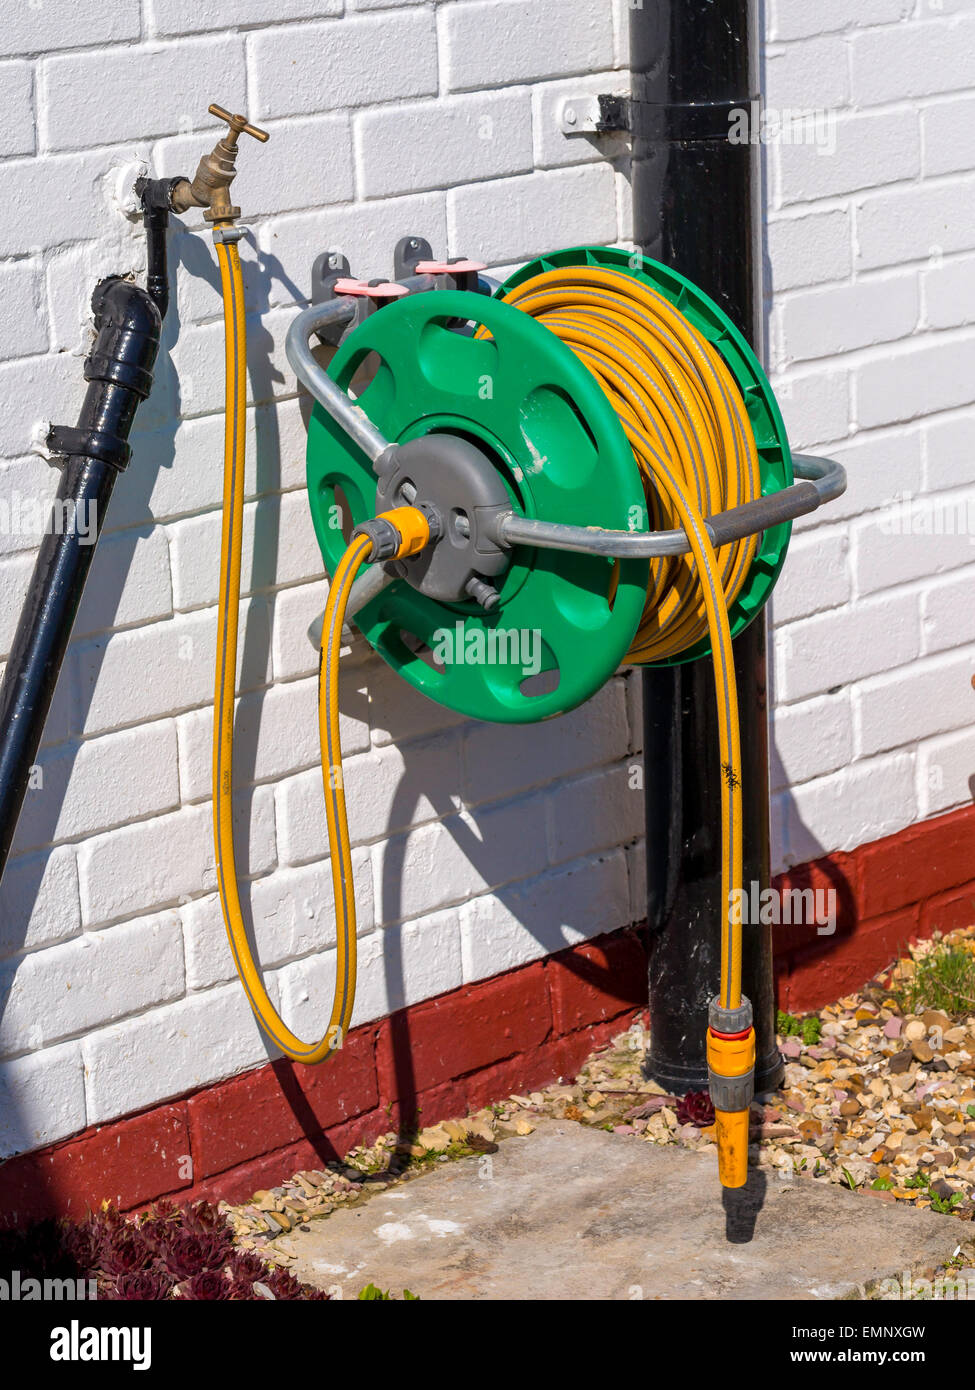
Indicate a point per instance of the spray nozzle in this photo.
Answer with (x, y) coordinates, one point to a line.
(731, 1065)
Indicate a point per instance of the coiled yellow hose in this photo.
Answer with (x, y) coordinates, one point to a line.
(223, 714)
(686, 421)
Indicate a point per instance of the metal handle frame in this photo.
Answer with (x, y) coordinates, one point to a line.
(820, 480)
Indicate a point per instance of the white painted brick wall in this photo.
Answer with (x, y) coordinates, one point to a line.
(428, 116)
(871, 293)
(477, 848)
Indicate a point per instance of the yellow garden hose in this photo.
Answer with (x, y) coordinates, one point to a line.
(686, 421)
(223, 715)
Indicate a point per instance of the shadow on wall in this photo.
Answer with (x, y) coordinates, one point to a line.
(153, 442)
(154, 448)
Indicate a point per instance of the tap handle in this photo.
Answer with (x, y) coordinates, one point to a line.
(238, 124)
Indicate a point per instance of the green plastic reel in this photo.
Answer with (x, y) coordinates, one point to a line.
(771, 440)
(564, 621)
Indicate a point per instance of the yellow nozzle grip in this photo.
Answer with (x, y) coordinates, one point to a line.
(731, 1132)
(732, 1057)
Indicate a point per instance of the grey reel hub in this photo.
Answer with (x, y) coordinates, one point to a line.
(456, 484)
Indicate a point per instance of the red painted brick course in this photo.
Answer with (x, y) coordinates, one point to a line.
(277, 1104)
(596, 981)
(513, 1032)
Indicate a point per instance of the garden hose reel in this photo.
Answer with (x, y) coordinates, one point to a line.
(535, 441)
(485, 417)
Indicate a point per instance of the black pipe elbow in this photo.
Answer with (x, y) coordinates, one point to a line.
(128, 323)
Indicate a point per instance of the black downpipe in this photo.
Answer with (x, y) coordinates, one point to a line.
(696, 207)
(119, 374)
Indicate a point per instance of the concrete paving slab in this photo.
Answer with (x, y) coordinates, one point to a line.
(576, 1213)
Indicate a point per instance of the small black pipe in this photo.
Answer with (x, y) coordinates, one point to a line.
(119, 374)
(155, 196)
(696, 208)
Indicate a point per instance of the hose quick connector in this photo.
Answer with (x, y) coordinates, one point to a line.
(731, 1069)
(397, 534)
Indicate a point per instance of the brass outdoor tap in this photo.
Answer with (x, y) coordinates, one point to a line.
(210, 186)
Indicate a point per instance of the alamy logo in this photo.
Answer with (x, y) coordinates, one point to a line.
(27, 515)
(496, 646)
(755, 906)
(766, 125)
(77, 1343)
(18, 1290)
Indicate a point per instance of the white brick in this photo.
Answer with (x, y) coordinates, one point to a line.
(292, 911)
(128, 583)
(811, 739)
(825, 322)
(829, 651)
(348, 62)
(815, 406)
(870, 150)
(73, 987)
(101, 783)
(918, 380)
(915, 60)
(35, 389)
(503, 758)
(397, 967)
(268, 178)
(928, 698)
(398, 711)
(809, 248)
(185, 16)
(293, 612)
(39, 901)
(880, 469)
(547, 914)
(949, 293)
(816, 576)
(457, 858)
(27, 488)
(437, 143)
(552, 147)
(385, 791)
(165, 668)
(187, 469)
(16, 109)
(850, 808)
(170, 1051)
(365, 234)
(944, 773)
(15, 575)
(156, 862)
(500, 220)
(279, 547)
(948, 613)
(947, 452)
(488, 43)
(593, 813)
(63, 24)
(914, 539)
(914, 224)
(948, 129)
(276, 733)
(147, 90)
(42, 1099)
(797, 19)
(808, 76)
